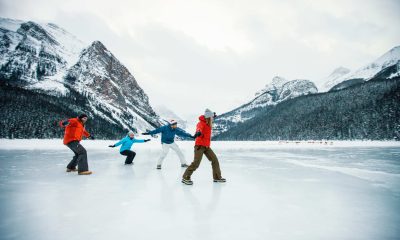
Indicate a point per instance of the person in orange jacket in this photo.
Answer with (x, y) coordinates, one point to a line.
(74, 130)
(202, 147)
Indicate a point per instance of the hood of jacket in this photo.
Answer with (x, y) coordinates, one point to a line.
(202, 118)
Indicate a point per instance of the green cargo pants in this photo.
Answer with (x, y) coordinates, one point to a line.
(198, 154)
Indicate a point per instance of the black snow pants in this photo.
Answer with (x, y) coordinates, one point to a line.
(130, 155)
(80, 158)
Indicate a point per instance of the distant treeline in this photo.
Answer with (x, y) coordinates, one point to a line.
(369, 110)
(30, 114)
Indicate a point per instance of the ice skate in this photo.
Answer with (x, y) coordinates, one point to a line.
(71, 170)
(187, 181)
(220, 180)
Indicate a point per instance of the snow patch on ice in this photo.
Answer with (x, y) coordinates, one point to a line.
(389, 180)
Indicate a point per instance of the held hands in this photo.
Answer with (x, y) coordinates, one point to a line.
(198, 134)
(111, 146)
(146, 140)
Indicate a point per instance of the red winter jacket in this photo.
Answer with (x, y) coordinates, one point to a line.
(74, 130)
(205, 138)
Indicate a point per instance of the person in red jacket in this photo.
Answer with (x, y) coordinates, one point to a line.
(74, 130)
(202, 146)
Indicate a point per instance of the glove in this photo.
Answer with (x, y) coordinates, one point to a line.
(198, 134)
(146, 140)
(64, 123)
(111, 146)
(146, 133)
(91, 137)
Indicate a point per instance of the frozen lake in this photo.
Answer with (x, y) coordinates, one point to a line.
(274, 191)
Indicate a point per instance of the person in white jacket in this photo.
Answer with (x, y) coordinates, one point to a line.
(168, 133)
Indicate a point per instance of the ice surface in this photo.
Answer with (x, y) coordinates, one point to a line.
(274, 191)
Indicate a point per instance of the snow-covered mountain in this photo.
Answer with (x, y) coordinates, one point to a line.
(46, 58)
(332, 79)
(167, 115)
(32, 52)
(388, 60)
(279, 90)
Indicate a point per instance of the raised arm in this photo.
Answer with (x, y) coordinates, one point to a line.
(65, 122)
(155, 131)
(120, 142)
(182, 133)
(140, 140)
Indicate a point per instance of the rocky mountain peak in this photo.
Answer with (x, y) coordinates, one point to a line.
(44, 57)
(36, 31)
(278, 90)
(332, 79)
(277, 81)
(388, 60)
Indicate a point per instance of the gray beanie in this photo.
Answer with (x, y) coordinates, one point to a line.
(131, 132)
(208, 113)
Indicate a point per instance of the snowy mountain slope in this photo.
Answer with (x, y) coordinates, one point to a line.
(46, 58)
(389, 72)
(346, 84)
(367, 72)
(360, 104)
(296, 88)
(332, 79)
(367, 110)
(277, 91)
(33, 52)
(167, 115)
(99, 74)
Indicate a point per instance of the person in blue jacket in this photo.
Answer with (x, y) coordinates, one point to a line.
(126, 144)
(168, 133)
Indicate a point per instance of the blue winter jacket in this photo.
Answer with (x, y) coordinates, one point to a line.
(168, 133)
(127, 143)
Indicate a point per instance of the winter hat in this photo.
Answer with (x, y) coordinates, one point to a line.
(208, 113)
(131, 132)
(82, 116)
(173, 122)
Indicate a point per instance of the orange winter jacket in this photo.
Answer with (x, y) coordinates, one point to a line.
(74, 130)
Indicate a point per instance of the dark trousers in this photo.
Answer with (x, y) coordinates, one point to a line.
(80, 158)
(198, 155)
(130, 155)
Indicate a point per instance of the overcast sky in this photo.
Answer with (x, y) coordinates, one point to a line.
(189, 55)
